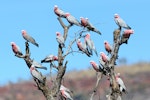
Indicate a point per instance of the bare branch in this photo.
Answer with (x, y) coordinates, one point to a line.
(72, 52)
(20, 56)
(72, 42)
(99, 77)
(61, 22)
(61, 68)
(66, 28)
(41, 86)
(114, 86)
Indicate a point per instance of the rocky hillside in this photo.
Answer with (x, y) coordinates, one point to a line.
(136, 78)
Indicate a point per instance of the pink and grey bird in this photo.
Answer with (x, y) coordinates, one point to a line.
(50, 58)
(101, 62)
(90, 44)
(104, 57)
(36, 74)
(28, 38)
(82, 47)
(96, 67)
(38, 65)
(91, 27)
(104, 68)
(16, 49)
(60, 39)
(64, 88)
(126, 35)
(84, 21)
(108, 47)
(120, 82)
(59, 12)
(65, 93)
(120, 22)
(72, 20)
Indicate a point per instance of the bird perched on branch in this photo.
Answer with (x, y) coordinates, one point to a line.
(90, 44)
(38, 65)
(104, 57)
(85, 22)
(50, 58)
(59, 12)
(16, 48)
(92, 27)
(108, 47)
(64, 88)
(96, 67)
(126, 35)
(82, 47)
(65, 92)
(28, 38)
(120, 82)
(36, 74)
(120, 22)
(60, 39)
(72, 20)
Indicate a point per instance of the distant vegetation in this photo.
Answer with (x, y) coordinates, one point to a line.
(136, 78)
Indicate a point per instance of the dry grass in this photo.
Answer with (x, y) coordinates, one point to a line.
(82, 82)
(134, 69)
(128, 69)
(80, 74)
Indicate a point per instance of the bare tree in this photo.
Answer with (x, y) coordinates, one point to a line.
(57, 90)
(117, 86)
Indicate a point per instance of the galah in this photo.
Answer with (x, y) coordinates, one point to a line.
(65, 93)
(90, 44)
(82, 47)
(106, 70)
(96, 67)
(101, 62)
(120, 22)
(108, 47)
(62, 87)
(38, 65)
(50, 58)
(36, 74)
(109, 97)
(16, 48)
(72, 20)
(28, 38)
(126, 35)
(104, 57)
(84, 21)
(92, 27)
(120, 82)
(59, 12)
(60, 39)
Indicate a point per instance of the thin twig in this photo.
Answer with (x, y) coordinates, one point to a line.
(99, 77)
(72, 42)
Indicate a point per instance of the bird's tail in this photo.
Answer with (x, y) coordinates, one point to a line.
(96, 52)
(98, 32)
(129, 27)
(88, 54)
(42, 67)
(36, 44)
(42, 61)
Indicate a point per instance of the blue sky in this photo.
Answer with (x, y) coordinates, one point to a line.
(38, 18)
